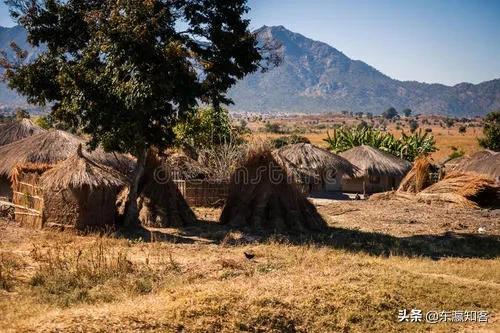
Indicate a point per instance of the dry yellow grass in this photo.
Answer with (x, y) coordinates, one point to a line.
(202, 283)
(445, 139)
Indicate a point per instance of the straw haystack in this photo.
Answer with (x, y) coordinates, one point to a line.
(18, 130)
(484, 162)
(378, 171)
(160, 203)
(316, 168)
(80, 193)
(419, 176)
(465, 189)
(262, 196)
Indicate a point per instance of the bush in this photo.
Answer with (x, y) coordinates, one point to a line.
(289, 140)
(456, 152)
(272, 128)
(491, 131)
(205, 127)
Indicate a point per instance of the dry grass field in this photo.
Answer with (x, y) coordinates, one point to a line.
(375, 259)
(446, 138)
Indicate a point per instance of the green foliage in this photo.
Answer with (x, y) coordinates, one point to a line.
(363, 124)
(126, 71)
(289, 140)
(456, 152)
(449, 122)
(272, 128)
(408, 147)
(462, 129)
(44, 122)
(390, 113)
(204, 127)
(407, 112)
(491, 131)
(413, 125)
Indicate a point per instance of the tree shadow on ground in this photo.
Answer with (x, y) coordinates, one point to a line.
(450, 244)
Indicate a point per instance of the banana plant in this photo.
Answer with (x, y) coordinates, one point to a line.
(408, 147)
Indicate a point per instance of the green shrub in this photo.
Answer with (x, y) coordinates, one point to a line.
(289, 140)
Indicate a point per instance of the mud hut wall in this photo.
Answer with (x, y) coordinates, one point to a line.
(5, 188)
(97, 207)
(61, 208)
(386, 183)
(80, 208)
(27, 195)
(203, 193)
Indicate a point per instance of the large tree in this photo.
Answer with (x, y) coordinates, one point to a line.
(125, 71)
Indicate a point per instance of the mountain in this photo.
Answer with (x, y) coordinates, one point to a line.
(315, 77)
(18, 35)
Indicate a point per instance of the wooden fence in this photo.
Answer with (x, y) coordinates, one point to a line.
(203, 193)
(27, 200)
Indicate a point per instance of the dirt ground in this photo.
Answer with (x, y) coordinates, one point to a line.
(374, 259)
(397, 218)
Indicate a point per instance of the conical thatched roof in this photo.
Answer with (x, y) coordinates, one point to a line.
(18, 130)
(484, 162)
(79, 171)
(52, 147)
(371, 161)
(309, 159)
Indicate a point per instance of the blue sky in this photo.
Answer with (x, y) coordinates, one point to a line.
(445, 41)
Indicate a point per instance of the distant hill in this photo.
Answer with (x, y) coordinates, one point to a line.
(18, 35)
(315, 77)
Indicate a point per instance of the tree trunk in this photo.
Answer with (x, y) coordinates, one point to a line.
(132, 211)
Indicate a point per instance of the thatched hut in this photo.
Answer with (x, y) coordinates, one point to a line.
(18, 130)
(314, 168)
(484, 162)
(50, 147)
(160, 203)
(378, 171)
(263, 196)
(80, 193)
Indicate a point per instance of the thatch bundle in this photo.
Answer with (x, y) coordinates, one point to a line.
(18, 130)
(484, 162)
(466, 189)
(305, 159)
(418, 178)
(80, 193)
(371, 161)
(262, 196)
(52, 147)
(185, 168)
(160, 203)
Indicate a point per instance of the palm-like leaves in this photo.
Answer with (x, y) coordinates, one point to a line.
(408, 147)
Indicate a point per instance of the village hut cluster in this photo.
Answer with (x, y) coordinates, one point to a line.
(52, 180)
